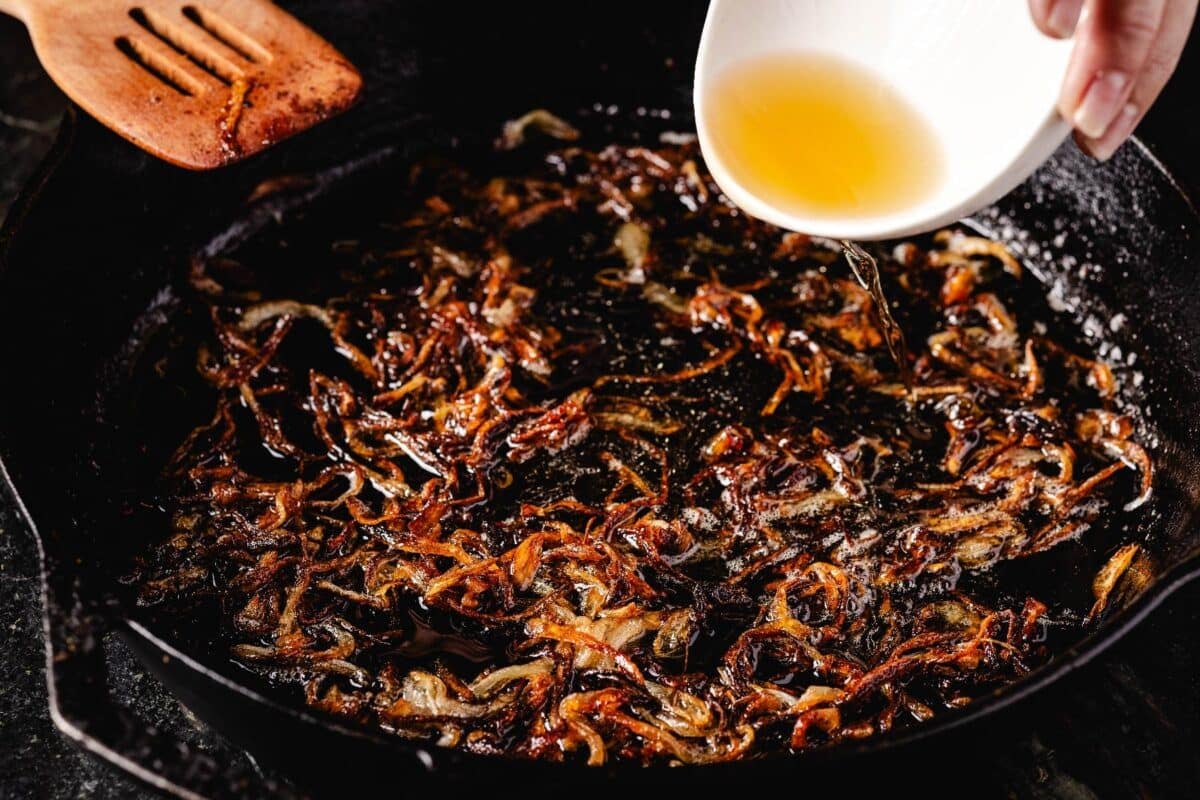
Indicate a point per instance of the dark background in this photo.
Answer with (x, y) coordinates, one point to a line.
(1129, 726)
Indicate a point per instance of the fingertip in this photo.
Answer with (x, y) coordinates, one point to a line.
(1097, 151)
(1102, 104)
(1040, 11)
(1056, 18)
(1087, 146)
(1103, 147)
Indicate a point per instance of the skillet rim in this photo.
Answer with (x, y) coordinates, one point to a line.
(437, 759)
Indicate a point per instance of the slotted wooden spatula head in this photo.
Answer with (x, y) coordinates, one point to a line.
(199, 83)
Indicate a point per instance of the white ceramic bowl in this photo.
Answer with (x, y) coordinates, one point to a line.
(978, 71)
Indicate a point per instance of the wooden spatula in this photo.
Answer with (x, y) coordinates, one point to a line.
(200, 83)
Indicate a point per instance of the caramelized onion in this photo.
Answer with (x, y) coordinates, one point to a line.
(584, 464)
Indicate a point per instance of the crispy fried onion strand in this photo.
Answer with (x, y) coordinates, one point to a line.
(615, 494)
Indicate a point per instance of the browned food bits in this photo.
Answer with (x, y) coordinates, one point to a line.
(580, 463)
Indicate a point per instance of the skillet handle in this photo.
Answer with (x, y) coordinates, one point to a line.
(84, 709)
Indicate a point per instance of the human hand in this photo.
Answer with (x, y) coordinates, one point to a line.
(1125, 50)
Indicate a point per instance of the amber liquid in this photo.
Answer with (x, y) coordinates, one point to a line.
(866, 271)
(817, 135)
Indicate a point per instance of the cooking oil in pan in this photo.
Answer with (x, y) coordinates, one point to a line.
(817, 135)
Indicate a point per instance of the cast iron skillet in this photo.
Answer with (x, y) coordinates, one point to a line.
(90, 253)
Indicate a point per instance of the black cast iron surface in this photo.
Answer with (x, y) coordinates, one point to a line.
(1130, 726)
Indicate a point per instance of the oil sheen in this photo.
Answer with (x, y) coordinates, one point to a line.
(816, 135)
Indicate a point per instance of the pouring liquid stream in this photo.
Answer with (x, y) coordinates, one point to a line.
(866, 272)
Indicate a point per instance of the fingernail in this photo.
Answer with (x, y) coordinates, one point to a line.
(1101, 103)
(1063, 17)
(1102, 149)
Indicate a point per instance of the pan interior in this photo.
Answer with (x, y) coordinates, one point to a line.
(1077, 307)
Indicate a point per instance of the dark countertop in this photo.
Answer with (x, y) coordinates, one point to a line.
(1129, 725)
(35, 761)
